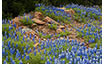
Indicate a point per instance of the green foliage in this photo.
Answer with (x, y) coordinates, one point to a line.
(52, 26)
(5, 27)
(35, 59)
(63, 19)
(80, 18)
(26, 21)
(45, 36)
(63, 33)
(12, 8)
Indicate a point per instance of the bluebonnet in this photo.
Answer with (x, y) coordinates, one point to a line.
(20, 62)
(6, 58)
(30, 35)
(34, 53)
(16, 45)
(22, 56)
(13, 62)
(27, 57)
(5, 62)
(3, 51)
(15, 25)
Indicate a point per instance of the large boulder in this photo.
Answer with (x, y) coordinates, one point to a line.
(48, 19)
(38, 21)
(38, 15)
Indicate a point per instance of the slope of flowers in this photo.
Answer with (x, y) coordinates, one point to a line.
(20, 49)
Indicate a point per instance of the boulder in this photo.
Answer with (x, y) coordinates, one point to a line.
(38, 15)
(48, 19)
(38, 21)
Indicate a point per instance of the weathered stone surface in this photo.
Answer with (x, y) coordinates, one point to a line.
(48, 19)
(38, 21)
(26, 29)
(38, 15)
(59, 30)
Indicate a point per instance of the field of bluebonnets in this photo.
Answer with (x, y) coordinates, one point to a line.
(70, 34)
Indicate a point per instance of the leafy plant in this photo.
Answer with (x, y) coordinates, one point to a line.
(52, 26)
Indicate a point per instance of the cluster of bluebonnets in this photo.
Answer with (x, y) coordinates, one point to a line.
(17, 49)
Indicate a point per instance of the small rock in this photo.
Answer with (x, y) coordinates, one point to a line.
(62, 8)
(72, 11)
(44, 39)
(61, 38)
(38, 15)
(61, 27)
(33, 25)
(67, 11)
(38, 21)
(59, 30)
(36, 44)
(27, 30)
(44, 30)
